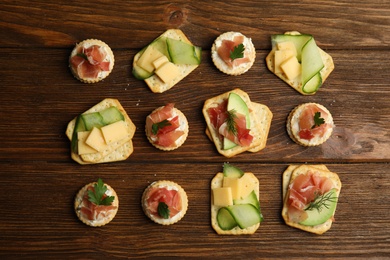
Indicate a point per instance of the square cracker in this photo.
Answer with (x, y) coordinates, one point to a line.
(117, 151)
(289, 176)
(217, 182)
(155, 84)
(260, 116)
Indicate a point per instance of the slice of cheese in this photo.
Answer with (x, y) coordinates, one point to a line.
(280, 57)
(96, 140)
(287, 46)
(167, 72)
(114, 132)
(222, 196)
(291, 68)
(82, 147)
(247, 185)
(234, 184)
(146, 60)
(160, 61)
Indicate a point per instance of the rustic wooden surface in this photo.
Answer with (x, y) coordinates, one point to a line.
(39, 96)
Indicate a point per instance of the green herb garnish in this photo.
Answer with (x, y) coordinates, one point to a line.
(160, 125)
(82, 55)
(230, 121)
(237, 52)
(96, 196)
(321, 201)
(318, 120)
(163, 210)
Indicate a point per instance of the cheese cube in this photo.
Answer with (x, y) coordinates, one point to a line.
(114, 132)
(160, 61)
(82, 147)
(146, 60)
(167, 72)
(96, 140)
(222, 196)
(234, 184)
(287, 46)
(280, 57)
(247, 185)
(291, 68)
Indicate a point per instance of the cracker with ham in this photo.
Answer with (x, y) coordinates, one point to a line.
(260, 121)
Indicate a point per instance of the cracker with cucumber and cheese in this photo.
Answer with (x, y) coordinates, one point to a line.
(166, 61)
(101, 134)
(310, 196)
(235, 124)
(235, 206)
(297, 60)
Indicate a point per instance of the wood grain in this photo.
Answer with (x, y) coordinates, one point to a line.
(39, 96)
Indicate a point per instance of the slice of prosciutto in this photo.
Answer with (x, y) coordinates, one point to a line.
(91, 211)
(303, 190)
(89, 62)
(227, 47)
(218, 117)
(168, 131)
(307, 127)
(170, 197)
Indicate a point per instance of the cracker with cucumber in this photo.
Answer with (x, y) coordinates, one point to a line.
(101, 134)
(297, 60)
(235, 124)
(235, 206)
(166, 61)
(310, 196)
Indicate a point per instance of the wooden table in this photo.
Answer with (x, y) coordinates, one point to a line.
(39, 96)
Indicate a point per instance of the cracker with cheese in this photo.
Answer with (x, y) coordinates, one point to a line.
(297, 60)
(101, 134)
(258, 119)
(310, 196)
(235, 206)
(166, 61)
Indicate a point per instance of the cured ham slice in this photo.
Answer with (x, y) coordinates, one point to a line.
(307, 125)
(90, 61)
(227, 47)
(92, 211)
(170, 197)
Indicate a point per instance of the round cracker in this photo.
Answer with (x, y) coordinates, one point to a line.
(102, 220)
(249, 52)
(170, 185)
(183, 127)
(109, 58)
(292, 126)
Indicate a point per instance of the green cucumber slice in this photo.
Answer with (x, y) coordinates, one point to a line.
(78, 127)
(92, 120)
(250, 199)
(140, 73)
(246, 215)
(311, 61)
(313, 84)
(232, 171)
(225, 219)
(182, 53)
(111, 115)
(160, 44)
(299, 41)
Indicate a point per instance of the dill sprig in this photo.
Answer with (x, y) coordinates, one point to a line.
(321, 200)
(230, 121)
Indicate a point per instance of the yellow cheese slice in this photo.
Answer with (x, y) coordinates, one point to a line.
(146, 60)
(234, 184)
(222, 196)
(96, 140)
(291, 68)
(247, 185)
(82, 147)
(287, 46)
(114, 132)
(280, 57)
(167, 72)
(160, 61)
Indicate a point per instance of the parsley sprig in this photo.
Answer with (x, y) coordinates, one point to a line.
(97, 195)
(318, 120)
(163, 210)
(237, 52)
(157, 126)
